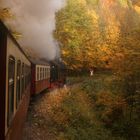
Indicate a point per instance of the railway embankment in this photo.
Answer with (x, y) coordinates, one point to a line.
(89, 109)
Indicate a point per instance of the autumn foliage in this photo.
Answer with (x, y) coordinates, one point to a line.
(95, 33)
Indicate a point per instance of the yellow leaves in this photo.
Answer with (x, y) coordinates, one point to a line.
(66, 29)
(137, 8)
(90, 54)
(104, 48)
(16, 34)
(64, 52)
(93, 14)
(5, 14)
(104, 58)
(93, 36)
(111, 105)
(112, 31)
(83, 2)
(51, 103)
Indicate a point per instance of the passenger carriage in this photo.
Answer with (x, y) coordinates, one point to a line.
(19, 78)
(15, 72)
(40, 76)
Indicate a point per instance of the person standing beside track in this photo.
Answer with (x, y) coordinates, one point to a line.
(91, 72)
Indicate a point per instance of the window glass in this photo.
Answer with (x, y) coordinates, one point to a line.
(40, 73)
(43, 73)
(22, 78)
(11, 83)
(26, 76)
(46, 73)
(37, 73)
(29, 75)
(18, 80)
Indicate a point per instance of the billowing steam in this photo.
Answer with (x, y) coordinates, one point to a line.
(35, 20)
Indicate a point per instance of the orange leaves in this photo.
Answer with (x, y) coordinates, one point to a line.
(94, 36)
(50, 105)
(112, 106)
(137, 8)
(64, 52)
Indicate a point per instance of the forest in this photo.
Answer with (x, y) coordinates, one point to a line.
(102, 35)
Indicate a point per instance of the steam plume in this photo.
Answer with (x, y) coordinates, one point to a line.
(35, 19)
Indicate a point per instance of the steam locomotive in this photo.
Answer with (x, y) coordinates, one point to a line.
(19, 79)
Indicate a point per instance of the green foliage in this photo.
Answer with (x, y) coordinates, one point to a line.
(75, 32)
(92, 2)
(114, 107)
(95, 33)
(80, 121)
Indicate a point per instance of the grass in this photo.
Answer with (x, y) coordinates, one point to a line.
(91, 108)
(76, 117)
(79, 121)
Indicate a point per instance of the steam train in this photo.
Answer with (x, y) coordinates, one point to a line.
(19, 79)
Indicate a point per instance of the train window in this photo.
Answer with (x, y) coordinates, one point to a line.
(48, 73)
(45, 73)
(18, 87)
(11, 83)
(38, 74)
(41, 74)
(22, 78)
(29, 75)
(26, 76)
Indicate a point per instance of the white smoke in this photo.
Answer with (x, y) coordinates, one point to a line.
(35, 19)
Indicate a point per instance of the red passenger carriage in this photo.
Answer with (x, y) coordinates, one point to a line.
(40, 77)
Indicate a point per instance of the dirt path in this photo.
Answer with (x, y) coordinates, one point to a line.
(52, 113)
(39, 116)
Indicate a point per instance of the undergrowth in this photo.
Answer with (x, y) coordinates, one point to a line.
(93, 109)
(96, 110)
